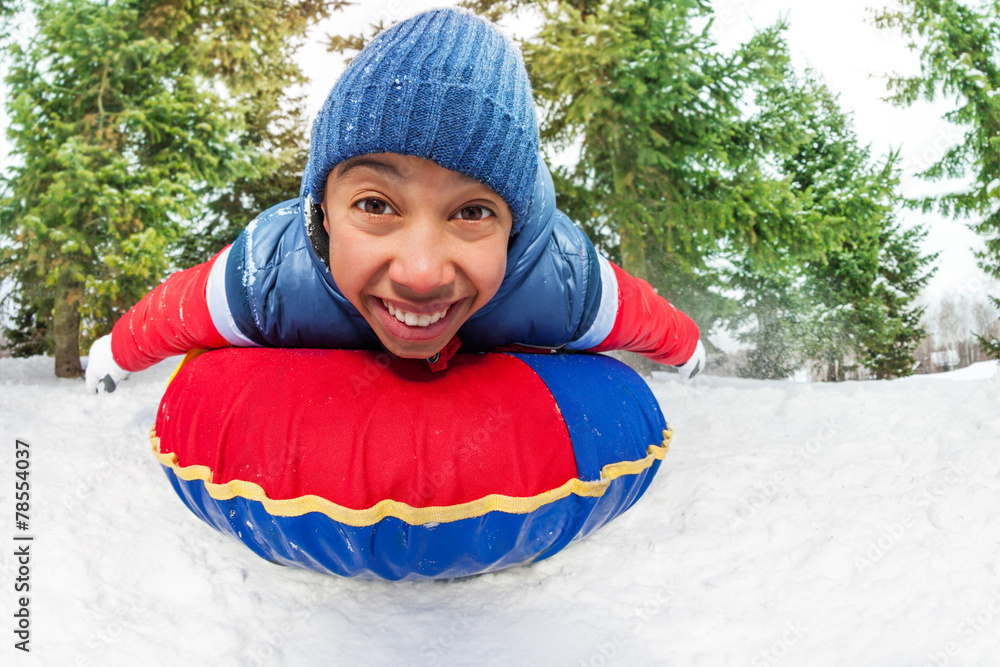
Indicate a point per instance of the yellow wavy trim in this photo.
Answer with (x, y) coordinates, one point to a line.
(411, 515)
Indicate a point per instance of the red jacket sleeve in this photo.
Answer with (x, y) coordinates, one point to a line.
(171, 319)
(648, 324)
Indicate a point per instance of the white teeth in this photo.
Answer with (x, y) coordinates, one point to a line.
(414, 320)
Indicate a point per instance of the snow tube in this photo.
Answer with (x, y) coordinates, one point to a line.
(358, 463)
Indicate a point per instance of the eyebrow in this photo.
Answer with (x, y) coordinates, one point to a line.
(383, 168)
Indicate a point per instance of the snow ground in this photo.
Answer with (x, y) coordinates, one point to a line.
(797, 524)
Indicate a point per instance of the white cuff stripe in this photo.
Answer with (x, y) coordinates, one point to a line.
(606, 312)
(218, 304)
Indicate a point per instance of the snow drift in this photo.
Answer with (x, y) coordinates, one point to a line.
(790, 523)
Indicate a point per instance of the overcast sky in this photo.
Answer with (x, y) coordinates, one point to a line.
(836, 40)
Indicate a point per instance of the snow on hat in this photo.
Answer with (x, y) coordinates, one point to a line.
(444, 85)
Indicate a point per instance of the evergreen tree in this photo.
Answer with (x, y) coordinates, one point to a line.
(114, 138)
(273, 120)
(890, 329)
(863, 290)
(864, 303)
(8, 10)
(127, 117)
(854, 303)
(658, 115)
(960, 59)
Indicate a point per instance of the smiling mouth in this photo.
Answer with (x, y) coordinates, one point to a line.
(415, 319)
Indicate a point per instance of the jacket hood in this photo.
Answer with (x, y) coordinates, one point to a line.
(525, 249)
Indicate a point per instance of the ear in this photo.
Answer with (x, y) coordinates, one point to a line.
(326, 218)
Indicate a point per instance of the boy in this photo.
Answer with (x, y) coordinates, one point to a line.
(426, 220)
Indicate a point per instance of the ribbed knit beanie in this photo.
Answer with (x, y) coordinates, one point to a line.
(444, 85)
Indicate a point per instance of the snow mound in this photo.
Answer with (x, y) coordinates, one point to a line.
(982, 370)
(790, 523)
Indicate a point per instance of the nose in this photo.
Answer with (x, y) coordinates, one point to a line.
(421, 262)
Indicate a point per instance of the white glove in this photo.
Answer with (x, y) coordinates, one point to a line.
(103, 372)
(694, 365)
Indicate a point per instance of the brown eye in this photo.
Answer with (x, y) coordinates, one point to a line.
(375, 206)
(475, 213)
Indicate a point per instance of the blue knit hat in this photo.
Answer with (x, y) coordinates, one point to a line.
(444, 85)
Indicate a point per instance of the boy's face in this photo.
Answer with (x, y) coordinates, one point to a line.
(416, 248)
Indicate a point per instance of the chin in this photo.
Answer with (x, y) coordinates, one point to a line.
(410, 354)
(412, 351)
